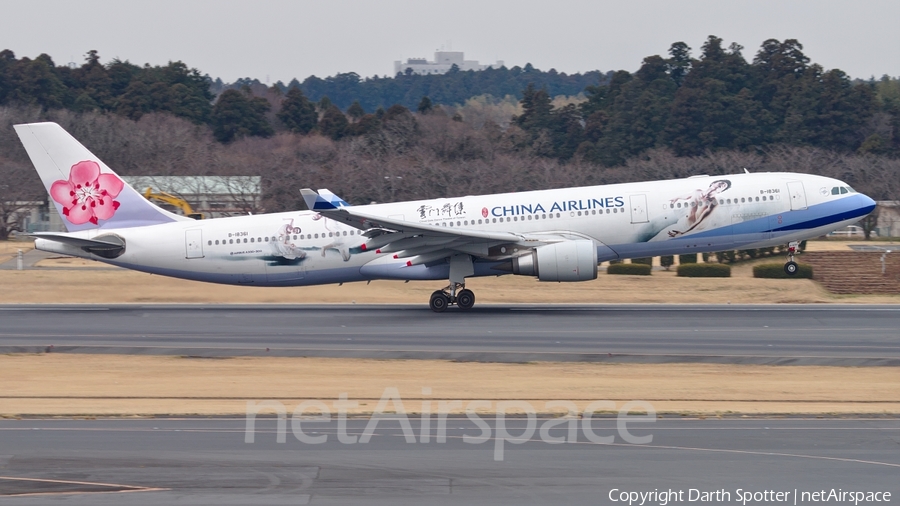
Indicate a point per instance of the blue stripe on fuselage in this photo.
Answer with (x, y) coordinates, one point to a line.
(816, 216)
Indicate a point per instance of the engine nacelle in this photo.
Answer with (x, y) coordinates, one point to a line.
(561, 261)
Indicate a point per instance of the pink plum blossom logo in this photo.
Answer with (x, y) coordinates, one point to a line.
(88, 195)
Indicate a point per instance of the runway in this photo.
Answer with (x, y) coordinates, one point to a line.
(853, 335)
(208, 461)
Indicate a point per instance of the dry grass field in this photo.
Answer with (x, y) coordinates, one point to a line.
(105, 385)
(110, 385)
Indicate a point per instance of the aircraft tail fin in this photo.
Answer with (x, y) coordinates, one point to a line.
(87, 194)
(323, 200)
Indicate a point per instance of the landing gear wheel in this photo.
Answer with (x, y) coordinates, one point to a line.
(790, 268)
(465, 299)
(439, 301)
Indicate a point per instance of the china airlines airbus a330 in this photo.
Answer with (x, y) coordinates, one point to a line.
(554, 235)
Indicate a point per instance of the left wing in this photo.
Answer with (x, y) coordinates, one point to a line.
(423, 243)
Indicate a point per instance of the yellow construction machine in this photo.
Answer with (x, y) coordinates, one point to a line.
(172, 200)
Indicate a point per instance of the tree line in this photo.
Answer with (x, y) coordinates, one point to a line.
(454, 87)
(718, 101)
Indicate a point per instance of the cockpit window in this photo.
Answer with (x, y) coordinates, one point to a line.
(835, 191)
(852, 190)
(844, 190)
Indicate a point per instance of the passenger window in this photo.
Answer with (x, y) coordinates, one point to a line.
(495, 220)
(210, 243)
(217, 242)
(230, 241)
(251, 239)
(543, 216)
(457, 223)
(607, 211)
(757, 199)
(245, 240)
(579, 213)
(721, 201)
(345, 234)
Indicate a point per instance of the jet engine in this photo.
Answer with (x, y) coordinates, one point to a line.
(561, 261)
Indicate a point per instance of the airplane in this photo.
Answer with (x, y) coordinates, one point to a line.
(557, 235)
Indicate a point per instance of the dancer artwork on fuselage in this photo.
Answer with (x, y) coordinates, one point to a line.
(554, 235)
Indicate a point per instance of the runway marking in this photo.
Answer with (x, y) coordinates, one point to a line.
(750, 452)
(713, 450)
(127, 488)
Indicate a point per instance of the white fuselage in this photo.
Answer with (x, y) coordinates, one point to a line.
(629, 220)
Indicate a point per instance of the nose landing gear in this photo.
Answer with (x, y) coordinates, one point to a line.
(791, 267)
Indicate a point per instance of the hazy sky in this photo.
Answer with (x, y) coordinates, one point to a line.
(286, 39)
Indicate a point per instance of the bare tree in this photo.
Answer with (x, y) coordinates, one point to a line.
(20, 192)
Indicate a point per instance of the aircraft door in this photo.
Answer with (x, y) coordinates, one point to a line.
(797, 195)
(193, 243)
(638, 208)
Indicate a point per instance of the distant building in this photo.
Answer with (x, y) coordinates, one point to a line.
(888, 224)
(443, 61)
(214, 196)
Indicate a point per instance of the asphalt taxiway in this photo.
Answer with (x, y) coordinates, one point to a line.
(209, 461)
(852, 335)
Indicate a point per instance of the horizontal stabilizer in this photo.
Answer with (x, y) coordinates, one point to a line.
(108, 246)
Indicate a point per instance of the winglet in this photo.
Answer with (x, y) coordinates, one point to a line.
(323, 200)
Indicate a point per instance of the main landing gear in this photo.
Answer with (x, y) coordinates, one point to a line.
(790, 268)
(456, 292)
(441, 299)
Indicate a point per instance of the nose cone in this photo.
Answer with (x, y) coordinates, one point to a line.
(867, 204)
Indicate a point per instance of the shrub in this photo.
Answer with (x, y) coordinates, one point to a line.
(776, 271)
(633, 269)
(643, 261)
(752, 253)
(704, 271)
(690, 258)
(667, 261)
